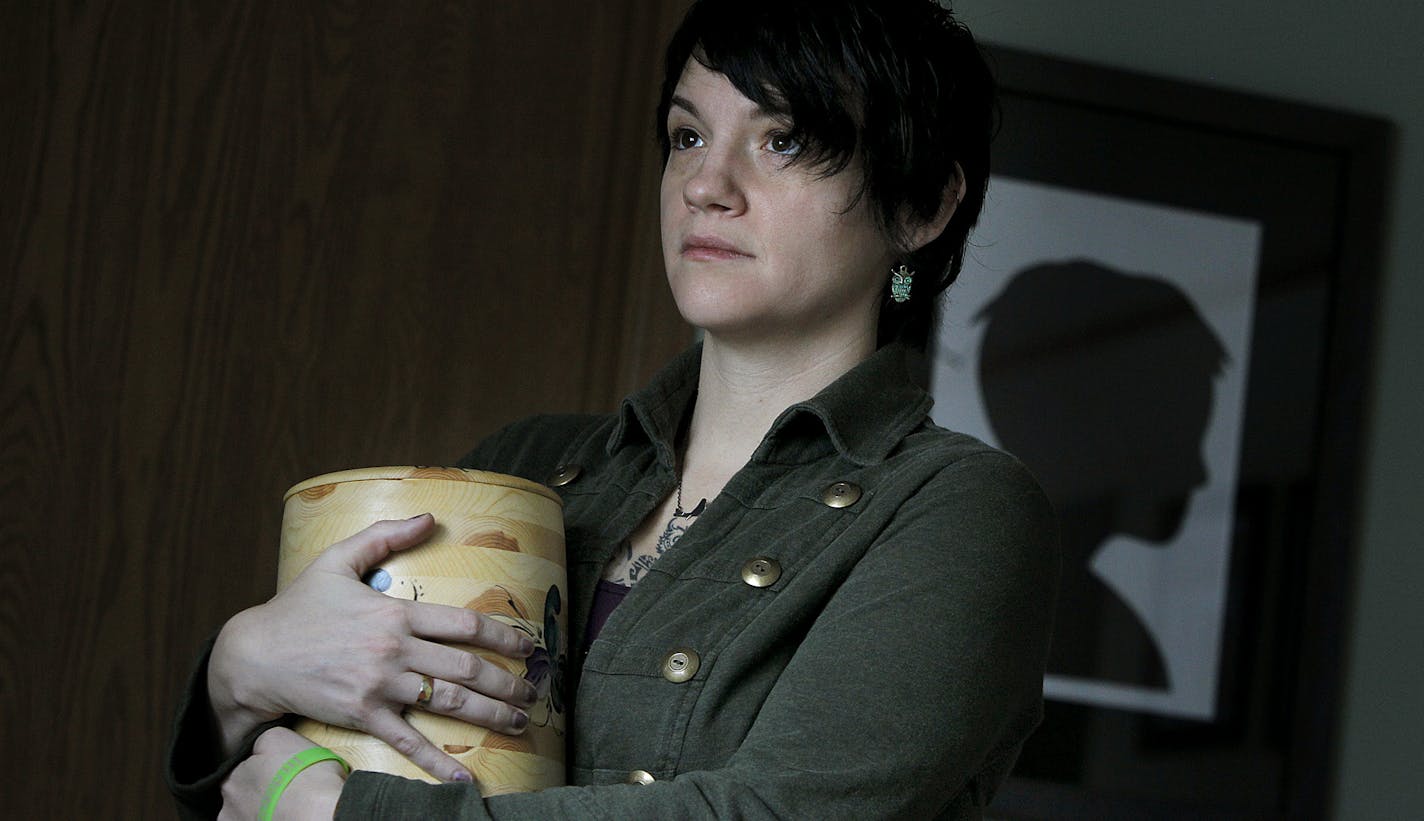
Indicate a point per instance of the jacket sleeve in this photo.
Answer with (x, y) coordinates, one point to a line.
(910, 696)
(193, 770)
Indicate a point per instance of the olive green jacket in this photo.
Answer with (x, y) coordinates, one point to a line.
(891, 669)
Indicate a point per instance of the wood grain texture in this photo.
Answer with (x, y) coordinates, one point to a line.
(498, 549)
(246, 243)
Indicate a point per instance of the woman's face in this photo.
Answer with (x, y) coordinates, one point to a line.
(757, 249)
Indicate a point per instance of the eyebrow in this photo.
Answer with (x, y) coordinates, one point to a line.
(685, 104)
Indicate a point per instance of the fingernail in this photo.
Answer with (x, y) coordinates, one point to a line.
(521, 719)
(461, 775)
(530, 694)
(526, 646)
(416, 516)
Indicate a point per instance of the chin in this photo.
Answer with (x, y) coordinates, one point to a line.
(715, 304)
(717, 325)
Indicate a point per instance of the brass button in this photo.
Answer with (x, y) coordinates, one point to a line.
(761, 572)
(640, 777)
(680, 665)
(563, 474)
(841, 494)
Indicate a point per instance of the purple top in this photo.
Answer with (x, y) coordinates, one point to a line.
(607, 596)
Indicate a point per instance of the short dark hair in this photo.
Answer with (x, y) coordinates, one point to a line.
(899, 84)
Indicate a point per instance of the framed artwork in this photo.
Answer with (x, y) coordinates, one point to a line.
(1166, 312)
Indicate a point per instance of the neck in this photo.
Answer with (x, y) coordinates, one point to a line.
(743, 389)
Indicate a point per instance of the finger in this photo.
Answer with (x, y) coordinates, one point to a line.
(366, 549)
(469, 670)
(466, 705)
(403, 738)
(459, 702)
(441, 622)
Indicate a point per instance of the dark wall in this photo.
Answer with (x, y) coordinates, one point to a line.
(249, 242)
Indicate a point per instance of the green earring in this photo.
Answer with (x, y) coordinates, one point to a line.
(900, 283)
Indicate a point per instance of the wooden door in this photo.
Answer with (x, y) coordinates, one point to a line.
(248, 242)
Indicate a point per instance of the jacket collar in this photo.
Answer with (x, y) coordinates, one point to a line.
(655, 411)
(863, 415)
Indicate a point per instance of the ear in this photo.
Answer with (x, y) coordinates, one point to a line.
(920, 234)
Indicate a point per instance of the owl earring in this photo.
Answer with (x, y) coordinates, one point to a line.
(900, 279)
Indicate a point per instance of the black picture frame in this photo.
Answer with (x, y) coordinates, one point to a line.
(1316, 181)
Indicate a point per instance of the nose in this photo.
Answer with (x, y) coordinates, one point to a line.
(715, 185)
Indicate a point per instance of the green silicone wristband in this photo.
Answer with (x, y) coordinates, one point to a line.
(290, 770)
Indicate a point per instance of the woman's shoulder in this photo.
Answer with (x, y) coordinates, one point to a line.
(954, 451)
(975, 475)
(975, 515)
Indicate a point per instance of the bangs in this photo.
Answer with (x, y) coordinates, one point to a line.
(778, 59)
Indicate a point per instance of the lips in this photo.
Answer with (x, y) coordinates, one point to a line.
(711, 248)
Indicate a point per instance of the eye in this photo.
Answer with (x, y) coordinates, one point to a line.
(684, 138)
(783, 144)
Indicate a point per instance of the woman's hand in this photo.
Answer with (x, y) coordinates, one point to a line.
(311, 795)
(330, 648)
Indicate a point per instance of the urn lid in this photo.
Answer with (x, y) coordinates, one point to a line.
(422, 473)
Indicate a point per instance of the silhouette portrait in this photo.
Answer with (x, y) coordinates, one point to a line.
(1103, 383)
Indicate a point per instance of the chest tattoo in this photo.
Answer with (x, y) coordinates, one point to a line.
(636, 566)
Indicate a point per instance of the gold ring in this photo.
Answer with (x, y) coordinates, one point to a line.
(427, 689)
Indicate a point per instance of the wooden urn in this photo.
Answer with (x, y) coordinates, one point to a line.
(498, 548)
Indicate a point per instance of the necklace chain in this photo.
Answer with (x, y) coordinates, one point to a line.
(679, 512)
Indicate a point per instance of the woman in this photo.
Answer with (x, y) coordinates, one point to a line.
(859, 603)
